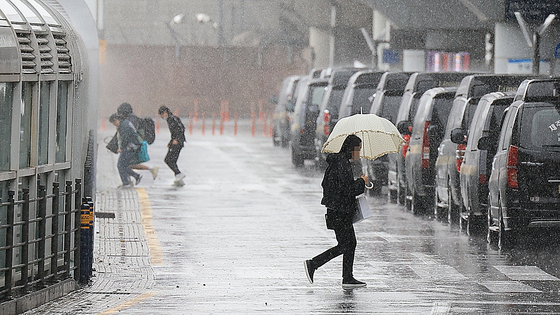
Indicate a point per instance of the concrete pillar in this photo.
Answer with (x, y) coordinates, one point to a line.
(319, 41)
(381, 30)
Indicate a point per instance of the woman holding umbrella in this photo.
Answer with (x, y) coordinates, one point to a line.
(339, 196)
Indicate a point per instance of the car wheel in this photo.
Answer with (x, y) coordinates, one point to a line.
(284, 142)
(297, 159)
(475, 224)
(453, 215)
(275, 141)
(505, 238)
(491, 236)
(392, 195)
(439, 212)
(407, 199)
(401, 195)
(417, 204)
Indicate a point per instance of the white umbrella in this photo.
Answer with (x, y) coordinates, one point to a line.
(379, 136)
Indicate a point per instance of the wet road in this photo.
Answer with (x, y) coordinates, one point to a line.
(234, 238)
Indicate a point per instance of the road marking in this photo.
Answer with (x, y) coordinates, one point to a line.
(139, 299)
(440, 308)
(508, 287)
(156, 255)
(525, 273)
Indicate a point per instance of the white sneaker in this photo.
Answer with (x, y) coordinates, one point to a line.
(154, 170)
(179, 177)
(125, 186)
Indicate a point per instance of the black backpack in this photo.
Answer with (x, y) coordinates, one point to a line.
(147, 129)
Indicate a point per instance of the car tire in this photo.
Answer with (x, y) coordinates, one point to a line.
(392, 195)
(297, 159)
(417, 205)
(505, 238)
(453, 215)
(439, 212)
(275, 142)
(491, 236)
(475, 224)
(284, 142)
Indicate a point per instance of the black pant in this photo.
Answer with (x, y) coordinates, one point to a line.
(172, 157)
(346, 238)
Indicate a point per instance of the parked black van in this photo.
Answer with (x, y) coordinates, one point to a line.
(386, 102)
(305, 118)
(427, 132)
(477, 163)
(470, 91)
(328, 111)
(356, 98)
(284, 106)
(417, 84)
(524, 186)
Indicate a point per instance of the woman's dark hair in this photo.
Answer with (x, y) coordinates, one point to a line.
(125, 109)
(349, 144)
(115, 117)
(164, 109)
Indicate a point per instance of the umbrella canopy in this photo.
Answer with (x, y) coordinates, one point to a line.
(379, 136)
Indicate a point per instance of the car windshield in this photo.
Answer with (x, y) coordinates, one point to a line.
(360, 101)
(390, 107)
(540, 128)
(334, 101)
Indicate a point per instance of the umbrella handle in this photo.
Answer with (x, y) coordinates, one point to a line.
(369, 185)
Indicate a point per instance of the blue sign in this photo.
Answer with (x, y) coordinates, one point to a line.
(557, 51)
(390, 56)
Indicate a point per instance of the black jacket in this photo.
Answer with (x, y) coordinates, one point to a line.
(339, 186)
(176, 128)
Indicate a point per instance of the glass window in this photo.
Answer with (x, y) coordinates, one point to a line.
(44, 109)
(540, 128)
(360, 101)
(4, 187)
(46, 15)
(27, 12)
(390, 107)
(61, 120)
(6, 101)
(25, 126)
(10, 12)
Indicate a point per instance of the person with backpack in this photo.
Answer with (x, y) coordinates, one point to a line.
(128, 146)
(125, 110)
(177, 130)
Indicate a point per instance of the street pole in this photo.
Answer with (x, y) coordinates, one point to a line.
(536, 53)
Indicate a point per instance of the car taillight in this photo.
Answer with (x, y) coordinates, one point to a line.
(512, 167)
(405, 145)
(482, 178)
(460, 153)
(326, 126)
(425, 162)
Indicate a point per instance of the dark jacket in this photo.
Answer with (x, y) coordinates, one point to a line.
(128, 136)
(176, 128)
(339, 186)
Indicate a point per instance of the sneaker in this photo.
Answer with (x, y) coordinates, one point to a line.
(154, 170)
(352, 283)
(309, 270)
(125, 186)
(179, 177)
(138, 179)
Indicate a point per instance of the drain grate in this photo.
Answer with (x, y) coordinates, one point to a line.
(105, 215)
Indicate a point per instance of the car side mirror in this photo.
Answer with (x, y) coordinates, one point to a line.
(484, 143)
(458, 136)
(403, 127)
(274, 99)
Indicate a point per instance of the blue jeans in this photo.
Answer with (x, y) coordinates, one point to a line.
(126, 159)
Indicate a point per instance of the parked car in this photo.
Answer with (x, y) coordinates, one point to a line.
(427, 132)
(385, 103)
(328, 111)
(524, 186)
(417, 84)
(472, 88)
(305, 119)
(284, 106)
(476, 165)
(356, 98)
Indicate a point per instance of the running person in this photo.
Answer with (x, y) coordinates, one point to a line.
(177, 130)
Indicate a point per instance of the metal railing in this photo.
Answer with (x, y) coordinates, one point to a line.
(48, 264)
